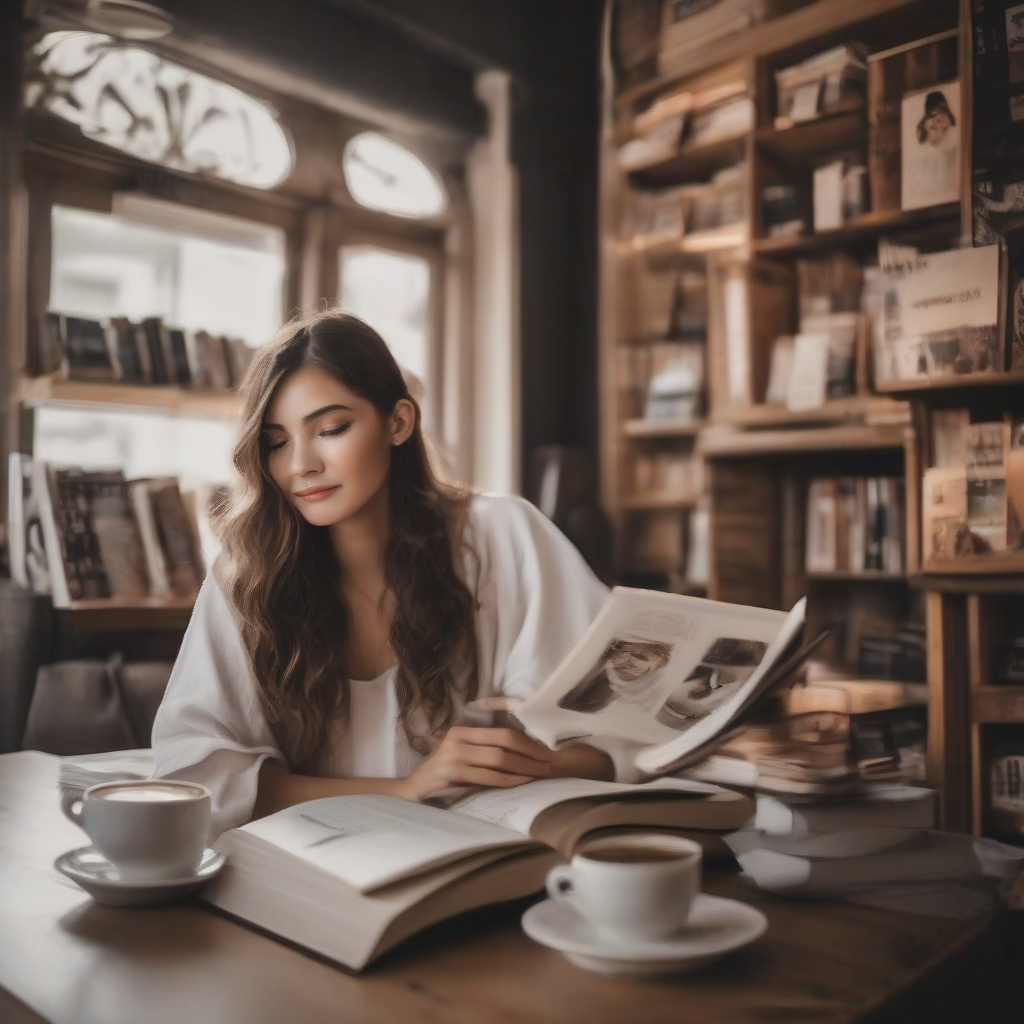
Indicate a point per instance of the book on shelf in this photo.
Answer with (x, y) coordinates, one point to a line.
(855, 524)
(88, 350)
(658, 145)
(670, 673)
(152, 330)
(973, 498)
(672, 474)
(676, 383)
(656, 292)
(930, 125)
(725, 120)
(105, 537)
(782, 210)
(830, 81)
(93, 550)
(941, 316)
(126, 351)
(179, 357)
(350, 877)
(239, 356)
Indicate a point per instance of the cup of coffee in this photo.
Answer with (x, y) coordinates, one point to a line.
(151, 829)
(635, 887)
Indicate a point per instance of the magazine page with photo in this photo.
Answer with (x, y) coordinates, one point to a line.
(930, 137)
(668, 672)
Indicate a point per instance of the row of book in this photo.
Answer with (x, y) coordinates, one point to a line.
(664, 380)
(675, 474)
(973, 493)
(150, 352)
(93, 535)
(855, 524)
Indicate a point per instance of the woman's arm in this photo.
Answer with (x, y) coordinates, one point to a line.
(466, 757)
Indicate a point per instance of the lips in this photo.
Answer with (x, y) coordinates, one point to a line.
(313, 494)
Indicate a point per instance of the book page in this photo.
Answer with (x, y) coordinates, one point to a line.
(653, 668)
(517, 808)
(370, 841)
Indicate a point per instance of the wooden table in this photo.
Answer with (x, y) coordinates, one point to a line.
(71, 960)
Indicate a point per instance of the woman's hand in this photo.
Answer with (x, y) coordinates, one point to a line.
(479, 757)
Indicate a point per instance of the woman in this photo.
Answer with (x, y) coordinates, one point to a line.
(359, 604)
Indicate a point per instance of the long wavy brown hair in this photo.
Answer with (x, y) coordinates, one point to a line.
(282, 576)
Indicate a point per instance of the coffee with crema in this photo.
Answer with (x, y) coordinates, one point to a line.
(153, 793)
(634, 855)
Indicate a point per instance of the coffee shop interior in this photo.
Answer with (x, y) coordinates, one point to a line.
(648, 265)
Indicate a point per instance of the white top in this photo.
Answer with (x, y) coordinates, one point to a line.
(536, 597)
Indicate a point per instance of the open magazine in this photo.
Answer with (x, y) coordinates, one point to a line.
(675, 674)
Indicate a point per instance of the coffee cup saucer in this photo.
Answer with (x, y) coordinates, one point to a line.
(716, 926)
(87, 867)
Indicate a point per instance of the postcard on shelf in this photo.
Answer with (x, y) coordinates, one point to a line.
(351, 876)
(672, 674)
(808, 380)
(941, 313)
(930, 124)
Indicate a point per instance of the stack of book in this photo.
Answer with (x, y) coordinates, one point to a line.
(149, 352)
(823, 84)
(92, 535)
(676, 384)
(855, 524)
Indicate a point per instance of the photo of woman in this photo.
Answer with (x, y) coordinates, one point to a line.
(930, 136)
(626, 671)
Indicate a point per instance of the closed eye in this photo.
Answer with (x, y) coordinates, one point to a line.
(274, 446)
(334, 431)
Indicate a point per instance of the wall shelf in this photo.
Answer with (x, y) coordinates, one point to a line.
(656, 500)
(953, 383)
(992, 705)
(723, 442)
(643, 428)
(167, 399)
(855, 407)
(807, 140)
(693, 163)
(116, 614)
(856, 232)
(865, 576)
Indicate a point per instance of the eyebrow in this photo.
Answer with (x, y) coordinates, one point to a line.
(310, 416)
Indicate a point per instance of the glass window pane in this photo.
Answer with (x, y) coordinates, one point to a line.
(391, 292)
(196, 270)
(140, 443)
(383, 175)
(136, 101)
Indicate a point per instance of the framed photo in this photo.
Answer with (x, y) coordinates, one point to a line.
(930, 141)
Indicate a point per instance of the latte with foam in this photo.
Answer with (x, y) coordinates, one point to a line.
(152, 793)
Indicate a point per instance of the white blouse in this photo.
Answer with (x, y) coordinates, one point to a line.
(536, 597)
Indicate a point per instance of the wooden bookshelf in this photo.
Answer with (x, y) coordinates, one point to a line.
(167, 399)
(759, 457)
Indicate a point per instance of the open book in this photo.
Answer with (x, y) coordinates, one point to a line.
(675, 674)
(351, 876)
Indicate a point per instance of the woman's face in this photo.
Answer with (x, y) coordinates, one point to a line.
(936, 126)
(330, 450)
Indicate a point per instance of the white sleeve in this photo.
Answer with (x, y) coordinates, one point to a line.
(209, 727)
(543, 597)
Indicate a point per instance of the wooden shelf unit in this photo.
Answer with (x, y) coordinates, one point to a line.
(759, 457)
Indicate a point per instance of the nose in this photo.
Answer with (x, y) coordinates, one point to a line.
(305, 461)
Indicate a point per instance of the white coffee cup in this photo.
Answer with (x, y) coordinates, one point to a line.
(635, 887)
(149, 829)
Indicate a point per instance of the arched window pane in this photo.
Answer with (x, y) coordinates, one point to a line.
(391, 292)
(385, 176)
(136, 101)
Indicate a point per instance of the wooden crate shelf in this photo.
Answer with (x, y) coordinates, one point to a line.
(167, 399)
(863, 230)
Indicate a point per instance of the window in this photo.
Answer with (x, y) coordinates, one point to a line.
(197, 270)
(136, 101)
(382, 175)
(391, 292)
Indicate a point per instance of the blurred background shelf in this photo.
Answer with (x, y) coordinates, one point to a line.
(644, 428)
(168, 399)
